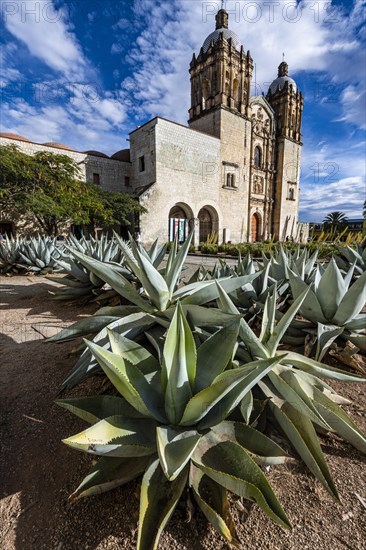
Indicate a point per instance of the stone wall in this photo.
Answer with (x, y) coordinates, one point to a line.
(287, 189)
(185, 171)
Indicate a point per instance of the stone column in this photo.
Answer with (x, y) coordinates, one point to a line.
(196, 236)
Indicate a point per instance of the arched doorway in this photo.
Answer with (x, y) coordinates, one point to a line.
(255, 227)
(208, 221)
(179, 222)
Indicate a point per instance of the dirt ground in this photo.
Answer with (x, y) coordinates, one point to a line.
(38, 472)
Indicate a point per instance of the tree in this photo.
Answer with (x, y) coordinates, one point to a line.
(335, 220)
(48, 186)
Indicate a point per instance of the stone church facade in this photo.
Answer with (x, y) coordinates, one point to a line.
(232, 172)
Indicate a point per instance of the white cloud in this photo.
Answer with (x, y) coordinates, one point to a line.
(83, 122)
(47, 35)
(332, 178)
(345, 195)
(316, 37)
(353, 101)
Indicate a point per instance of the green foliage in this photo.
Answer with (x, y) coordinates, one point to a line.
(335, 221)
(298, 399)
(38, 254)
(48, 187)
(169, 423)
(334, 305)
(79, 282)
(197, 381)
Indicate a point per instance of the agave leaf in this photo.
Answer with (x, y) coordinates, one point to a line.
(108, 473)
(92, 324)
(352, 302)
(155, 337)
(291, 395)
(311, 263)
(302, 436)
(252, 440)
(310, 308)
(175, 448)
(204, 316)
(133, 352)
(158, 498)
(331, 290)
(93, 409)
(268, 319)
(357, 323)
(230, 465)
(178, 367)
(117, 436)
(173, 272)
(153, 283)
(326, 334)
(348, 276)
(67, 281)
(314, 367)
(339, 420)
(129, 257)
(254, 345)
(251, 341)
(201, 403)
(159, 256)
(172, 255)
(130, 326)
(129, 381)
(246, 406)
(212, 499)
(226, 303)
(119, 283)
(285, 322)
(214, 354)
(208, 292)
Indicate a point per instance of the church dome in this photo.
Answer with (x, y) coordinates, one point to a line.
(96, 154)
(57, 145)
(123, 155)
(279, 83)
(8, 135)
(215, 36)
(222, 26)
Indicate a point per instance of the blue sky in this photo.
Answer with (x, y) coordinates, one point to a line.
(87, 72)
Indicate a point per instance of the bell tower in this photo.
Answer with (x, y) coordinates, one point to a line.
(221, 73)
(288, 104)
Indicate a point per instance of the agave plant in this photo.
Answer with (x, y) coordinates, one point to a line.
(299, 261)
(298, 400)
(334, 305)
(40, 254)
(10, 254)
(169, 424)
(151, 304)
(80, 283)
(350, 256)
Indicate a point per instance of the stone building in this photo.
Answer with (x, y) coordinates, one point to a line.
(234, 170)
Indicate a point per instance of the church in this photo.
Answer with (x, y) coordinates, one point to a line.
(232, 174)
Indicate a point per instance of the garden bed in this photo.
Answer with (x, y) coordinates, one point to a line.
(38, 472)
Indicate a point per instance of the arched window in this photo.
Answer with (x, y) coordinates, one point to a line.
(257, 157)
(230, 180)
(205, 93)
(235, 88)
